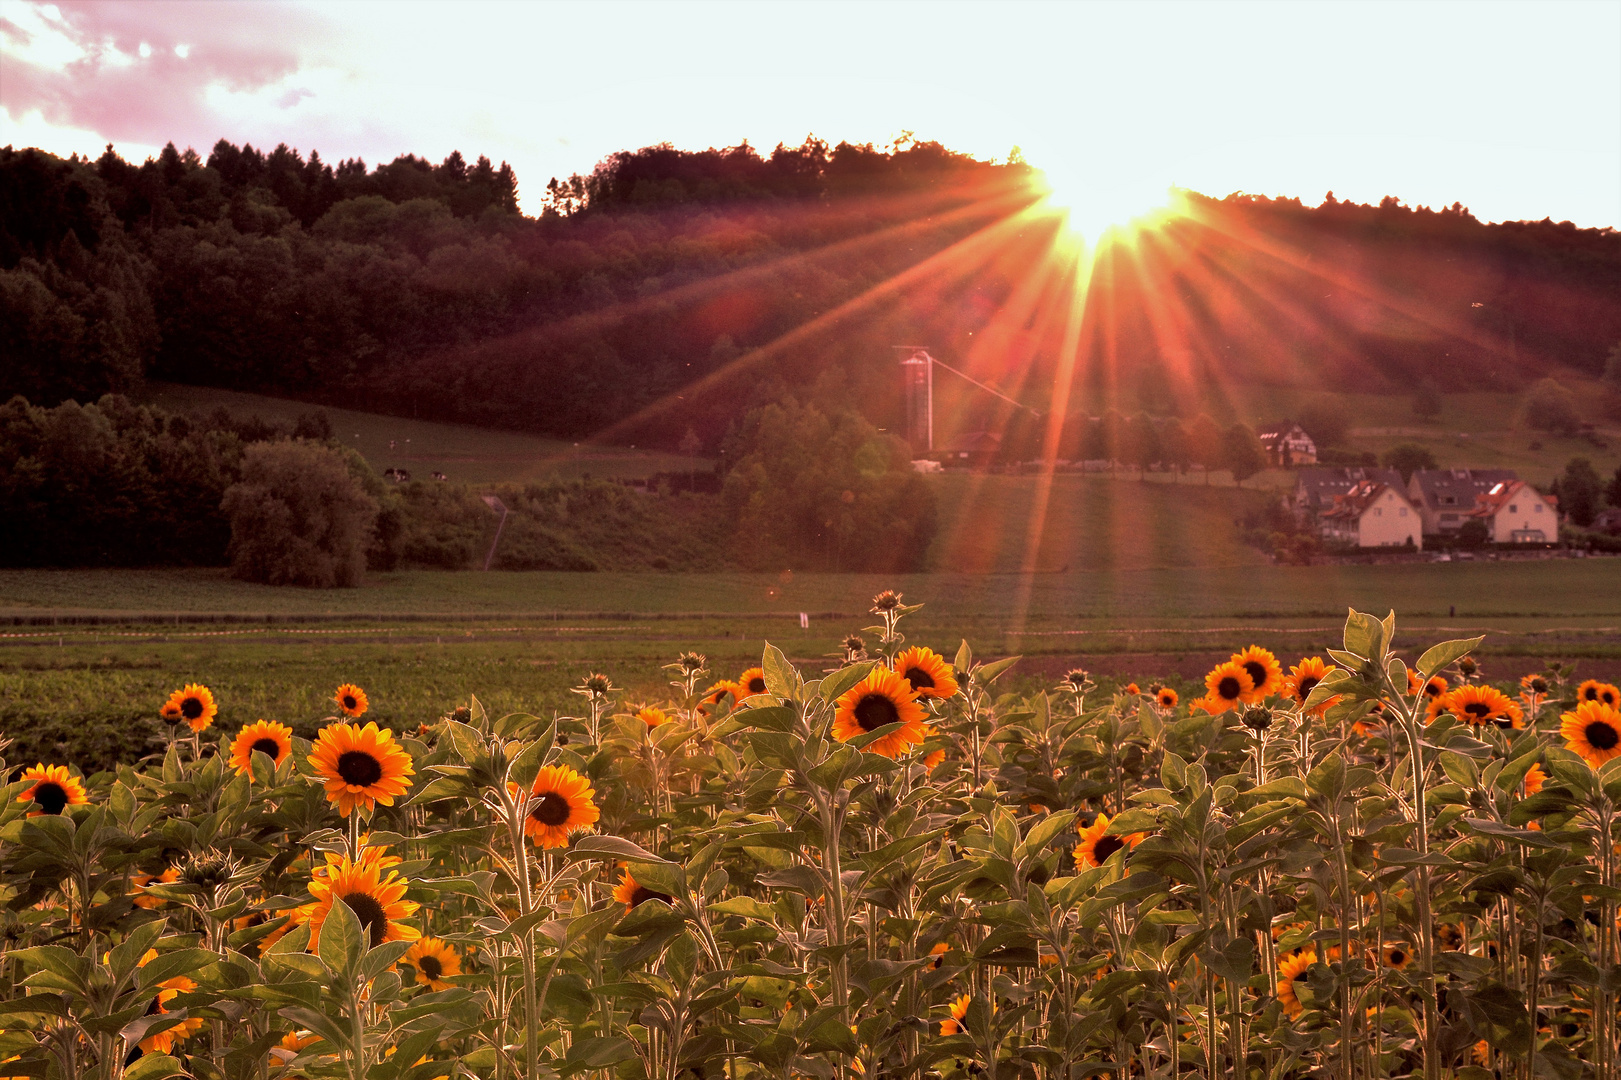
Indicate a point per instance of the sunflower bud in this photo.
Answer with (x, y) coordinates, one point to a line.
(1257, 719)
(462, 714)
(1468, 667)
(888, 600)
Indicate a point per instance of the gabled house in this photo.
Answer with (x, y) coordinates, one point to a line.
(1517, 513)
(972, 449)
(1373, 514)
(1315, 489)
(1446, 497)
(1287, 444)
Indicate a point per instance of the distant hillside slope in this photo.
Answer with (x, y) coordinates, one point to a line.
(660, 296)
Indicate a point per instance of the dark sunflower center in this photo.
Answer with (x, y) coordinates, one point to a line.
(1590, 694)
(349, 701)
(430, 966)
(1106, 846)
(1607, 697)
(1307, 685)
(266, 746)
(1600, 736)
(1257, 672)
(1227, 689)
(1433, 688)
(1539, 686)
(369, 910)
(643, 894)
(757, 685)
(1397, 958)
(1478, 710)
(191, 708)
(874, 711)
(920, 679)
(51, 798)
(359, 768)
(553, 809)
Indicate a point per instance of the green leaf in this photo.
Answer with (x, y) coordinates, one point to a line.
(1364, 636)
(780, 677)
(836, 684)
(745, 906)
(611, 847)
(986, 674)
(596, 1052)
(965, 657)
(526, 766)
(342, 944)
(155, 1067)
(1173, 772)
(1437, 657)
(1041, 833)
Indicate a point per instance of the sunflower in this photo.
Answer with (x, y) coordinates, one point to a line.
(1481, 705)
(1131, 688)
(1434, 690)
(1534, 684)
(1166, 698)
(139, 882)
(1228, 685)
(1303, 679)
(631, 892)
(1370, 724)
(1602, 692)
(933, 761)
(927, 672)
(273, 740)
(1263, 669)
(1534, 779)
(351, 700)
(1397, 955)
(374, 893)
(1095, 848)
(53, 791)
(362, 766)
(1290, 970)
(194, 704)
(434, 962)
(1593, 731)
(561, 802)
(652, 716)
(169, 989)
(717, 693)
(938, 952)
(752, 681)
(959, 1009)
(882, 698)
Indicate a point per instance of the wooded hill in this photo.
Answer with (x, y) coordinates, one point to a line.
(662, 295)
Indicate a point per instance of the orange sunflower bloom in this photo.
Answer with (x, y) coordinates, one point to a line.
(938, 952)
(1534, 779)
(881, 699)
(932, 761)
(53, 790)
(194, 704)
(1292, 969)
(752, 681)
(169, 989)
(1131, 688)
(927, 672)
(351, 700)
(959, 1010)
(1228, 686)
(1095, 848)
(1481, 705)
(1263, 669)
(373, 892)
(631, 892)
(1434, 689)
(652, 716)
(362, 766)
(1593, 731)
(1166, 698)
(1602, 692)
(434, 961)
(1397, 955)
(1303, 679)
(561, 803)
(139, 882)
(273, 740)
(717, 693)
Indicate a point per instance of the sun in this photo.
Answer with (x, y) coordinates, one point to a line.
(1098, 208)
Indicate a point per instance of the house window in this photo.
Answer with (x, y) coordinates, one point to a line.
(1513, 508)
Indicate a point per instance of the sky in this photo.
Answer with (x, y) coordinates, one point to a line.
(1513, 109)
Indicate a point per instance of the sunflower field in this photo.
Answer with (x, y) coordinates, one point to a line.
(1366, 866)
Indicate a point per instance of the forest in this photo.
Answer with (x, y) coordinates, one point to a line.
(659, 298)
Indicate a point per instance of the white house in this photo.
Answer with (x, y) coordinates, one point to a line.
(1372, 515)
(1287, 444)
(1517, 513)
(1446, 497)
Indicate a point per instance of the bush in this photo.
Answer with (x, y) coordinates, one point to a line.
(1550, 406)
(299, 517)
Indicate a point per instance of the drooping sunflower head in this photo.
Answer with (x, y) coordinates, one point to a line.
(880, 699)
(1166, 698)
(273, 740)
(1481, 705)
(927, 672)
(1304, 677)
(362, 766)
(370, 889)
(1291, 969)
(1095, 848)
(1397, 955)
(959, 1010)
(1593, 730)
(53, 790)
(1602, 692)
(434, 962)
(631, 892)
(193, 703)
(561, 802)
(752, 681)
(1263, 669)
(1535, 684)
(351, 700)
(1229, 684)
(652, 716)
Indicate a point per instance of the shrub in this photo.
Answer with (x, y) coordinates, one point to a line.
(1550, 406)
(299, 517)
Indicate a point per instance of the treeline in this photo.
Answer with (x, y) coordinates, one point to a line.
(112, 483)
(668, 292)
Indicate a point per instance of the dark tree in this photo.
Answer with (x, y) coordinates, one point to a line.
(1242, 453)
(1580, 491)
(1407, 458)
